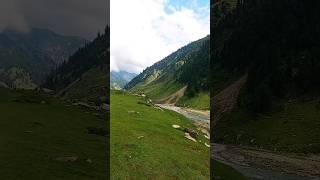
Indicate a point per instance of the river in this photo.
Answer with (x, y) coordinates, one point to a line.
(250, 162)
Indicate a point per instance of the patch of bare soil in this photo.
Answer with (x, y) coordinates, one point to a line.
(226, 100)
(173, 98)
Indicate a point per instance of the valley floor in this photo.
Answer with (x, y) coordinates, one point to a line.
(144, 143)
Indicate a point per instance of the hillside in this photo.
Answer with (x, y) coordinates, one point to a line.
(143, 142)
(119, 79)
(180, 78)
(275, 44)
(86, 74)
(22, 54)
(54, 135)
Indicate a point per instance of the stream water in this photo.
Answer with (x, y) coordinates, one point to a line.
(188, 113)
(250, 172)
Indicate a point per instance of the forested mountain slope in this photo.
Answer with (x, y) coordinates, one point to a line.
(27, 57)
(275, 44)
(86, 75)
(179, 78)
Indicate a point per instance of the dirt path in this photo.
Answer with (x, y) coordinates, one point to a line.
(261, 164)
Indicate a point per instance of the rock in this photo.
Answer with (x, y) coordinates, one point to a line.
(140, 137)
(192, 132)
(206, 144)
(252, 140)
(135, 112)
(175, 126)
(89, 161)
(46, 90)
(43, 102)
(3, 85)
(207, 137)
(105, 106)
(204, 131)
(187, 135)
(157, 107)
(28, 132)
(67, 159)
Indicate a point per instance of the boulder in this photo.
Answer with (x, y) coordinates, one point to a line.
(192, 132)
(187, 135)
(175, 126)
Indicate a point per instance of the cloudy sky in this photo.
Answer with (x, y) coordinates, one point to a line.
(70, 17)
(145, 31)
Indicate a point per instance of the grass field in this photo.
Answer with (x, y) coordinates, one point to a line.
(223, 172)
(39, 134)
(199, 101)
(144, 145)
(158, 90)
(295, 128)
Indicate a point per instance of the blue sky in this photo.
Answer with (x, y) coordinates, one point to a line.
(150, 30)
(196, 5)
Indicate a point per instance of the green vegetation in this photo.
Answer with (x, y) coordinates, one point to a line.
(144, 143)
(158, 90)
(199, 101)
(293, 128)
(35, 52)
(92, 86)
(277, 108)
(44, 138)
(92, 55)
(187, 66)
(224, 172)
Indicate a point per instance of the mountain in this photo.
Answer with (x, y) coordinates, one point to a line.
(85, 76)
(119, 79)
(27, 57)
(264, 75)
(180, 78)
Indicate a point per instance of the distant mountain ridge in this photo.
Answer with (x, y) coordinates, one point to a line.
(33, 54)
(119, 79)
(180, 77)
(85, 76)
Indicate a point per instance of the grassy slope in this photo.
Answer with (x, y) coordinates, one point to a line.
(57, 131)
(91, 86)
(158, 89)
(163, 152)
(161, 90)
(223, 172)
(199, 101)
(294, 129)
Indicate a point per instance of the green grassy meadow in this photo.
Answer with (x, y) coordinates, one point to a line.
(144, 145)
(38, 133)
(158, 90)
(294, 128)
(224, 172)
(200, 101)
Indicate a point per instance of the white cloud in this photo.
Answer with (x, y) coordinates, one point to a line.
(143, 32)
